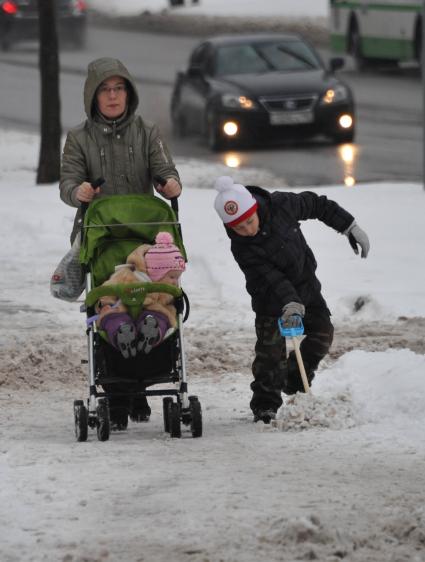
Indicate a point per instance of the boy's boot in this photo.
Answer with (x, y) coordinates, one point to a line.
(265, 415)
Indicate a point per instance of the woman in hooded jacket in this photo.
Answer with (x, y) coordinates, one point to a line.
(116, 144)
(113, 143)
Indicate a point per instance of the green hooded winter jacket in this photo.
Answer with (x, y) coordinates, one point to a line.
(127, 152)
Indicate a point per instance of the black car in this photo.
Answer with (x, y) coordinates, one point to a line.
(19, 21)
(244, 88)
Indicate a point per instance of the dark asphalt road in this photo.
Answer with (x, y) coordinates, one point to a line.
(389, 112)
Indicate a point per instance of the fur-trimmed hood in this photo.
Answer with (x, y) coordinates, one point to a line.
(137, 257)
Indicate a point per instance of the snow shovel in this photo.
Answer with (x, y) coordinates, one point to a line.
(293, 333)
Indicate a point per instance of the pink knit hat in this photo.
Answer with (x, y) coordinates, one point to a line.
(163, 257)
(233, 203)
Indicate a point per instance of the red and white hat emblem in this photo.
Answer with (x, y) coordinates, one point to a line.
(231, 207)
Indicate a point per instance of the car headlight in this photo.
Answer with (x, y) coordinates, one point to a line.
(237, 102)
(336, 94)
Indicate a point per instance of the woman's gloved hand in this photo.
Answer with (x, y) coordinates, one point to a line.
(86, 192)
(170, 189)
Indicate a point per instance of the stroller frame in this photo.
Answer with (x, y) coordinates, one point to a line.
(178, 406)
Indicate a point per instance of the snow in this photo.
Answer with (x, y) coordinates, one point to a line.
(245, 8)
(338, 476)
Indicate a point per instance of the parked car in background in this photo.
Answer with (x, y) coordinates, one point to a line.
(242, 88)
(19, 21)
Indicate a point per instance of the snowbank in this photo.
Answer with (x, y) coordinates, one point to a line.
(338, 476)
(223, 8)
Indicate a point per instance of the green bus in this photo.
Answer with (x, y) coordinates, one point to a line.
(379, 31)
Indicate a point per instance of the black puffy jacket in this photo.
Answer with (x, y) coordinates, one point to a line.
(278, 265)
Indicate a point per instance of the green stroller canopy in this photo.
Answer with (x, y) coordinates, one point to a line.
(115, 225)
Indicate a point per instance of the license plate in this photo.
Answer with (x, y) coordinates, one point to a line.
(291, 117)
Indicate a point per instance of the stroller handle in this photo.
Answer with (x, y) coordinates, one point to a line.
(84, 206)
(100, 181)
(174, 203)
(97, 183)
(159, 179)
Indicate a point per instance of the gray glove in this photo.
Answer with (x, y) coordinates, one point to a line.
(358, 236)
(292, 314)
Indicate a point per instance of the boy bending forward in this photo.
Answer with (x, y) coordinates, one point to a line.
(279, 268)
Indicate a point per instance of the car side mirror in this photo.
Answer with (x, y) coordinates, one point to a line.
(194, 72)
(336, 63)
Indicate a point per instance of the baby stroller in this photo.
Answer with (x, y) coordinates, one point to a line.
(112, 228)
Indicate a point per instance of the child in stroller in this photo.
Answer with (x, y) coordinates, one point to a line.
(160, 263)
(121, 230)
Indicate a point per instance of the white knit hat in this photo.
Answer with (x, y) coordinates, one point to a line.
(234, 203)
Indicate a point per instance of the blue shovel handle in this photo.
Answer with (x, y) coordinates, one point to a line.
(290, 332)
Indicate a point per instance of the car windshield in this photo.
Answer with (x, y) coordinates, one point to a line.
(282, 56)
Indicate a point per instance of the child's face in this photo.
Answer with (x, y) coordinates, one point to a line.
(171, 278)
(248, 227)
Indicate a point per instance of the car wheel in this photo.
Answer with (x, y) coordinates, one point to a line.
(355, 48)
(214, 139)
(362, 63)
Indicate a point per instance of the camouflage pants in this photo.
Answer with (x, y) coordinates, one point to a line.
(273, 371)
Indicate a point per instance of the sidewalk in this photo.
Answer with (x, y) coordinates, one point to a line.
(193, 24)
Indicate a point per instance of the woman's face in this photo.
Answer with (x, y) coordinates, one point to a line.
(111, 97)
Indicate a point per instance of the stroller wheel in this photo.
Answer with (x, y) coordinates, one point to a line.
(196, 414)
(102, 420)
(80, 420)
(166, 403)
(174, 420)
